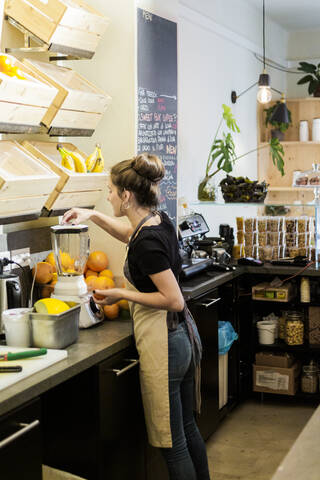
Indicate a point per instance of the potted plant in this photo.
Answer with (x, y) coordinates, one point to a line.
(222, 155)
(313, 77)
(280, 127)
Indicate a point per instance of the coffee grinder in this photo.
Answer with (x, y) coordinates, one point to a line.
(70, 244)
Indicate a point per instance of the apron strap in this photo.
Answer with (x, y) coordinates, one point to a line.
(144, 220)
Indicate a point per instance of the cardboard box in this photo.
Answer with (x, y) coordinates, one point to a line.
(282, 381)
(314, 325)
(274, 359)
(263, 291)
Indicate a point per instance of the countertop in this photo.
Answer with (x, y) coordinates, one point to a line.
(303, 459)
(94, 345)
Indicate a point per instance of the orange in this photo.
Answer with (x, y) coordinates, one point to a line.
(90, 273)
(47, 290)
(97, 261)
(106, 273)
(123, 304)
(103, 283)
(50, 259)
(111, 311)
(44, 272)
(91, 282)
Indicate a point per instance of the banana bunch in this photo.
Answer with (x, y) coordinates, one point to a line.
(72, 160)
(95, 161)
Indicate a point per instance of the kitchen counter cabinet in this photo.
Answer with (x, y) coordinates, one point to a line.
(94, 345)
(20, 443)
(93, 423)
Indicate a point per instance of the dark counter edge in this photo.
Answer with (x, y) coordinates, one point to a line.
(90, 349)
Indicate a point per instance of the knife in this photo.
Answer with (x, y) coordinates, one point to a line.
(20, 355)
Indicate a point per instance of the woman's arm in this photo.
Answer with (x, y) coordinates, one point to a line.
(115, 228)
(168, 296)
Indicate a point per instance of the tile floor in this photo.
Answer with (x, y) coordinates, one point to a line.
(254, 437)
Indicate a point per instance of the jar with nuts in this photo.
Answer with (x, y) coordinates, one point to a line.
(294, 329)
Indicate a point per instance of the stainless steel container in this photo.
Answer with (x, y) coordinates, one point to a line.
(55, 331)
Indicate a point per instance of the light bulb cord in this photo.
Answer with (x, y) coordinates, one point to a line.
(264, 35)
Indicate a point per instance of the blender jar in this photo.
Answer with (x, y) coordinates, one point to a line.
(70, 245)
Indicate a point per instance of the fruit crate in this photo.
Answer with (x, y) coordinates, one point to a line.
(25, 182)
(66, 26)
(73, 189)
(79, 105)
(23, 103)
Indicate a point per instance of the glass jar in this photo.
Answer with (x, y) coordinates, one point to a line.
(309, 379)
(294, 329)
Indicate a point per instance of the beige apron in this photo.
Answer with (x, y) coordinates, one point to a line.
(151, 337)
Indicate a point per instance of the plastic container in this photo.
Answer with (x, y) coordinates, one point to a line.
(266, 332)
(55, 331)
(290, 239)
(262, 239)
(240, 236)
(274, 238)
(290, 224)
(262, 225)
(305, 290)
(17, 327)
(240, 223)
(249, 224)
(294, 329)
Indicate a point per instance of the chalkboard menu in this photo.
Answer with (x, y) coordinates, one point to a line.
(157, 99)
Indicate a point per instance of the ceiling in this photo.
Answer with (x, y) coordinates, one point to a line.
(293, 15)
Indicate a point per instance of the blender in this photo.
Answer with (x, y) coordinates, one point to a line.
(70, 244)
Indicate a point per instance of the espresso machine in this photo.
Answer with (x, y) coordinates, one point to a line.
(70, 244)
(201, 253)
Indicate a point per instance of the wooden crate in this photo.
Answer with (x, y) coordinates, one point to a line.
(23, 103)
(73, 189)
(25, 182)
(79, 105)
(66, 26)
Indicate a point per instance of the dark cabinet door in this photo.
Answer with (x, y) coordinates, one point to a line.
(20, 444)
(205, 313)
(93, 423)
(122, 428)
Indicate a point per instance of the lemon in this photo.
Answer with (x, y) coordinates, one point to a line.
(52, 306)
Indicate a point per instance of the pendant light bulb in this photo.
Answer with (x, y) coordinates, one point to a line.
(264, 94)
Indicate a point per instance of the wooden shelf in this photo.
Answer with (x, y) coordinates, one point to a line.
(291, 143)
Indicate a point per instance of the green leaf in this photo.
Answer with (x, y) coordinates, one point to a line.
(313, 86)
(277, 154)
(229, 119)
(307, 67)
(307, 78)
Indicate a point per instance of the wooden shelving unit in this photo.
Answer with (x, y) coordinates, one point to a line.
(298, 155)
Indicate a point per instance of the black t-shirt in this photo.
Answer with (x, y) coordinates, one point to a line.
(153, 250)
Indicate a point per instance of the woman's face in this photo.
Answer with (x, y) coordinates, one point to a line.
(114, 199)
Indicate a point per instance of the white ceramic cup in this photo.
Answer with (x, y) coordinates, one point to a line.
(304, 131)
(316, 130)
(17, 326)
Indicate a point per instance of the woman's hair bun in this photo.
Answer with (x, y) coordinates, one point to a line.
(149, 167)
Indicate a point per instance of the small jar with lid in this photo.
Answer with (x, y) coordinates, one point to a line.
(294, 328)
(305, 290)
(309, 379)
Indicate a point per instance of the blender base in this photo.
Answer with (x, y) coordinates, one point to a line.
(90, 314)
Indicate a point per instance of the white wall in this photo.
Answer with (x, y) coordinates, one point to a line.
(302, 46)
(216, 57)
(112, 68)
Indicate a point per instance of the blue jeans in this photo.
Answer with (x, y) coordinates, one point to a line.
(187, 459)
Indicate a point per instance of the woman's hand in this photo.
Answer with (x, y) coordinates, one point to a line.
(112, 295)
(77, 215)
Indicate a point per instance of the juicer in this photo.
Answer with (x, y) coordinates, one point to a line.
(70, 244)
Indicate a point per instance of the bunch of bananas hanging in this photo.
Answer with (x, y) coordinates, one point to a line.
(75, 162)
(95, 161)
(71, 160)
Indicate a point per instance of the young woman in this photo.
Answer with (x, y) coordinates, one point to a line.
(151, 270)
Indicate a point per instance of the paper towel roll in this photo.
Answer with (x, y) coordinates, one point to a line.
(17, 326)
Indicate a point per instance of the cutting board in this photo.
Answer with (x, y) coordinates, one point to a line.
(29, 365)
